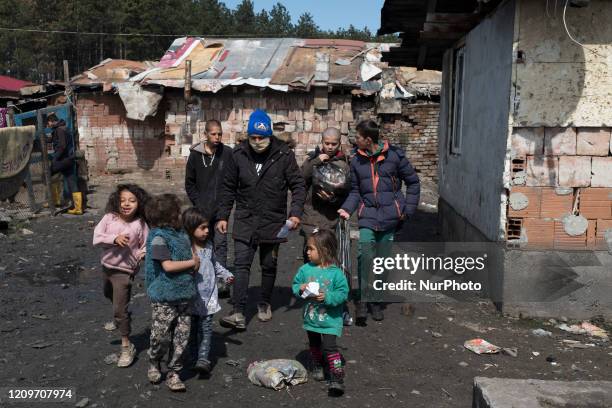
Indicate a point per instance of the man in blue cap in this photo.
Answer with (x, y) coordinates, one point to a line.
(258, 178)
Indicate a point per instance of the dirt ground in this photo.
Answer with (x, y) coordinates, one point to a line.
(51, 332)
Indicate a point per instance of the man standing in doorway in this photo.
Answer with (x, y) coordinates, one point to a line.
(258, 178)
(204, 175)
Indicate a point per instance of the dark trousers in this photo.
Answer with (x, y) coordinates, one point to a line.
(118, 289)
(324, 342)
(244, 253)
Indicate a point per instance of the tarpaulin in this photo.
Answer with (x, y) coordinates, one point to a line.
(15, 149)
(139, 102)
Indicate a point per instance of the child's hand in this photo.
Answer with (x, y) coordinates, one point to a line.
(303, 287)
(196, 263)
(122, 240)
(229, 280)
(141, 255)
(320, 297)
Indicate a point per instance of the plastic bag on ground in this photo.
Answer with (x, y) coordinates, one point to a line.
(481, 346)
(277, 373)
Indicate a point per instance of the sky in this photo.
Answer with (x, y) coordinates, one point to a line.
(328, 14)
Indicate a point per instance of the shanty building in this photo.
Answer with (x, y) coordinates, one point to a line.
(140, 118)
(524, 140)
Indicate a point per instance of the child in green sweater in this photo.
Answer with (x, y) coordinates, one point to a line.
(325, 289)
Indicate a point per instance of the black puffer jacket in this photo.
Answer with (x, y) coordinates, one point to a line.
(261, 201)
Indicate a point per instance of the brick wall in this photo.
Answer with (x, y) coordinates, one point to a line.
(556, 172)
(156, 147)
(416, 130)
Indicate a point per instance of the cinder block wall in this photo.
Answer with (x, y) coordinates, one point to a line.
(556, 172)
(157, 147)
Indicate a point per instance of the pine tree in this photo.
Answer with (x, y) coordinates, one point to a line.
(306, 27)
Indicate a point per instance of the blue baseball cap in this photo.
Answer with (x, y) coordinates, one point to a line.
(260, 124)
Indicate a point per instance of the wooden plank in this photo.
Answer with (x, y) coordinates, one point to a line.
(425, 36)
(422, 56)
(447, 27)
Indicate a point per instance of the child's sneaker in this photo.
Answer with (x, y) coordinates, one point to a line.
(110, 326)
(336, 382)
(126, 358)
(264, 311)
(153, 373)
(202, 367)
(174, 383)
(234, 321)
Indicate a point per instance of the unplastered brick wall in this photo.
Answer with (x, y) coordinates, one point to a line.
(561, 188)
(416, 131)
(115, 144)
(294, 115)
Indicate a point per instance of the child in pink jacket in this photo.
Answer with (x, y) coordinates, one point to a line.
(122, 233)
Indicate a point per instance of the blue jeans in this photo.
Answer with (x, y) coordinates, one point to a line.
(202, 328)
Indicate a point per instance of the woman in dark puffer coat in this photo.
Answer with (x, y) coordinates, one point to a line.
(378, 170)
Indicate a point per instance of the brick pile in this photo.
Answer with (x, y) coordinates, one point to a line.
(561, 171)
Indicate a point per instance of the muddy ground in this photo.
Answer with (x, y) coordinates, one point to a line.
(52, 313)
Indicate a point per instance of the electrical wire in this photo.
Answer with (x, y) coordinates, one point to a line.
(570, 35)
(32, 30)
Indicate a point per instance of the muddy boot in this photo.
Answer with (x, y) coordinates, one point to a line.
(335, 385)
(315, 367)
(234, 321)
(361, 313)
(77, 200)
(377, 313)
(202, 367)
(174, 383)
(264, 311)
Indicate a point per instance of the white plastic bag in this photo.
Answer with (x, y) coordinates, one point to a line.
(277, 373)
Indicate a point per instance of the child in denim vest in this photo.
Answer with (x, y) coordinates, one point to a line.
(170, 284)
(323, 310)
(206, 302)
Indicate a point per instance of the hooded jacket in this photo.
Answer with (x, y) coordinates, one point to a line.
(317, 212)
(376, 191)
(261, 200)
(63, 148)
(203, 182)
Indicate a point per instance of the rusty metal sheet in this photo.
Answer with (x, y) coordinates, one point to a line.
(298, 68)
(111, 70)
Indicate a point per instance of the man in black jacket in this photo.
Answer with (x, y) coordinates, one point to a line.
(64, 161)
(263, 169)
(204, 177)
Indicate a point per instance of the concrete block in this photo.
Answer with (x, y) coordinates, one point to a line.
(593, 141)
(601, 172)
(542, 171)
(510, 393)
(574, 171)
(559, 141)
(528, 141)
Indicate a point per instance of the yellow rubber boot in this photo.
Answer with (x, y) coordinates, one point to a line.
(77, 200)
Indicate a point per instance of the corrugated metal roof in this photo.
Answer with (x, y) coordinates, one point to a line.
(10, 84)
(249, 58)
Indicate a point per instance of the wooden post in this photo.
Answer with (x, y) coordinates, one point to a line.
(188, 81)
(40, 130)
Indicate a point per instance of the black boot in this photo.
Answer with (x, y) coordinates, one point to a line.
(336, 382)
(361, 313)
(377, 313)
